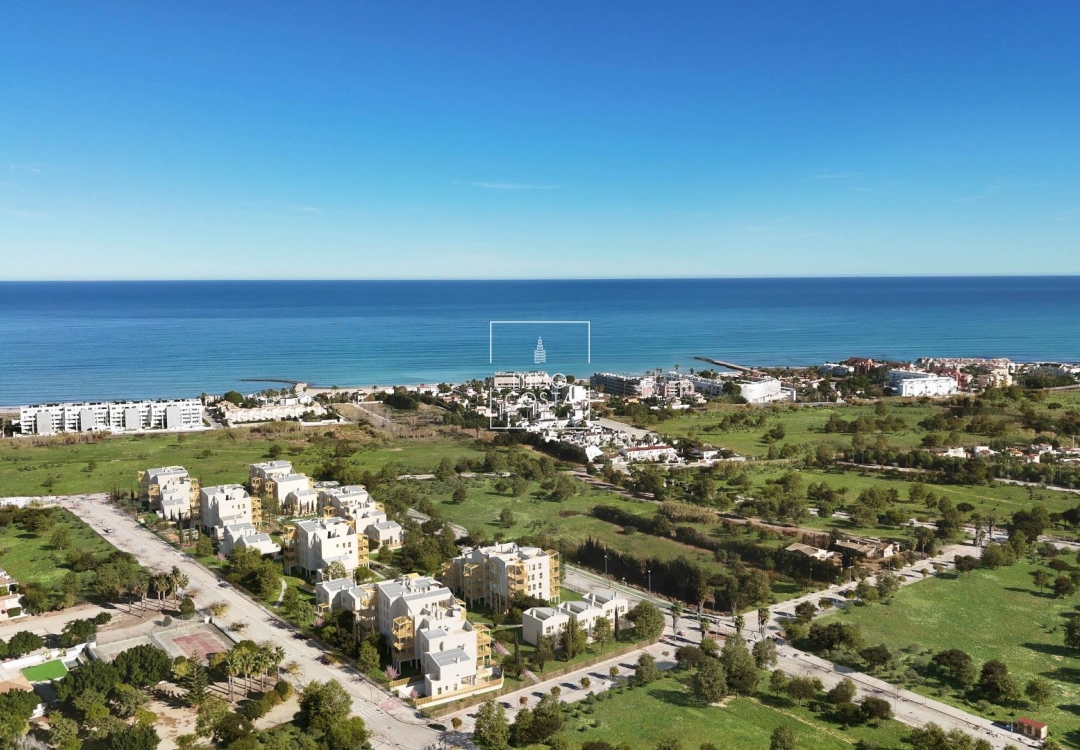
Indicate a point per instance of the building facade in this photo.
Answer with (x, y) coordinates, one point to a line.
(312, 546)
(913, 384)
(111, 416)
(354, 503)
(629, 386)
(221, 506)
(171, 492)
(551, 621)
(494, 575)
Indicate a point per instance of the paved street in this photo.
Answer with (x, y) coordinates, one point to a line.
(393, 723)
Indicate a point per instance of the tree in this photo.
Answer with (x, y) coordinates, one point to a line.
(676, 613)
(519, 486)
(506, 517)
(22, 643)
(956, 664)
(602, 632)
(646, 670)
(367, 659)
(876, 656)
(187, 608)
(135, 737)
(647, 619)
(545, 651)
(491, 731)
(444, 472)
(195, 684)
(876, 709)
(211, 711)
(842, 692)
(1041, 579)
(16, 708)
(803, 689)
(63, 732)
(572, 639)
(127, 700)
(739, 667)
(1039, 692)
(887, 584)
(710, 682)
(460, 495)
(764, 653)
(323, 705)
(928, 737)
(866, 592)
(347, 734)
(335, 571)
(143, 665)
(1064, 587)
(995, 684)
(783, 738)
(1072, 634)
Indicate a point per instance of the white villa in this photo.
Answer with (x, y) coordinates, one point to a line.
(550, 621)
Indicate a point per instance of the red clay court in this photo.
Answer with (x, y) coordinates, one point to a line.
(199, 645)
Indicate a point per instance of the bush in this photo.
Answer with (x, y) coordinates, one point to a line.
(284, 690)
(14, 611)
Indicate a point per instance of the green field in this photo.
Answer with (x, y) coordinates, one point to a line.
(32, 558)
(50, 670)
(991, 614)
(642, 717)
(71, 465)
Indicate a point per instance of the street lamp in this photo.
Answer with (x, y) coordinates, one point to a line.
(648, 572)
(605, 564)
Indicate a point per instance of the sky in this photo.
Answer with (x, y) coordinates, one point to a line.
(538, 140)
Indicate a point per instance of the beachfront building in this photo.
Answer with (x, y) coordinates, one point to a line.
(521, 380)
(550, 621)
(312, 546)
(171, 491)
(646, 453)
(10, 606)
(756, 390)
(629, 386)
(111, 416)
(246, 536)
(494, 575)
(223, 505)
(290, 408)
(353, 502)
(913, 383)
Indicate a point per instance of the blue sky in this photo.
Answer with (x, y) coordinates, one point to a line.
(491, 140)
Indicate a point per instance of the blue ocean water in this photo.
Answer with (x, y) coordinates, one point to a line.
(105, 340)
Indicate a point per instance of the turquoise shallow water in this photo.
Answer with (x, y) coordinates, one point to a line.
(130, 339)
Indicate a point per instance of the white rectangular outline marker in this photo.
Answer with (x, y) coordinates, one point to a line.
(493, 323)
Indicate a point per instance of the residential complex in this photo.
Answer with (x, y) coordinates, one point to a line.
(353, 503)
(312, 546)
(276, 479)
(172, 492)
(246, 536)
(550, 621)
(521, 380)
(912, 383)
(494, 575)
(223, 505)
(425, 625)
(623, 385)
(111, 416)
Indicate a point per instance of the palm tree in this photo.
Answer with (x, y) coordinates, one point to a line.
(763, 615)
(162, 585)
(739, 622)
(233, 667)
(179, 581)
(676, 613)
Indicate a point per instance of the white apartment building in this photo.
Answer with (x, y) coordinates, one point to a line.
(292, 409)
(171, 491)
(303, 502)
(494, 574)
(246, 536)
(354, 503)
(312, 546)
(754, 390)
(521, 380)
(223, 505)
(275, 479)
(632, 386)
(912, 383)
(111, 416)
(551, 621)
(654, 453)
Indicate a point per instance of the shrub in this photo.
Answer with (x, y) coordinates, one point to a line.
(284, 690)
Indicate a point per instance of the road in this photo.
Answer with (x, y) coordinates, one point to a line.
(392, 723)
(909, 708)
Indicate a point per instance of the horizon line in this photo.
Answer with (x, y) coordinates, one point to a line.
(452, 279)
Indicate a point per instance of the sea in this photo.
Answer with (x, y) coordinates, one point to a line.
(63, 341)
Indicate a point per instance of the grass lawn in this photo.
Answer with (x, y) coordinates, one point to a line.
(62, 465)
(32, 558)
(991, 614)
(642, 717)
(50, 670)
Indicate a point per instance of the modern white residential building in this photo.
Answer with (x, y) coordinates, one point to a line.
(551, 621)
(353, 502)
(493, 575)
(303, 502)
(275, 479)
(223, 505)
(312, 546)
(111, 416)
(633, 386)
(246, 536)
(655, 453)
(521, 380)
(754, 390)
(912, 383)
(10, 605)
(291, 409)
(171, 491)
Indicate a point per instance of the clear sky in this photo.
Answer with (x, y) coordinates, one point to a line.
(538, 139)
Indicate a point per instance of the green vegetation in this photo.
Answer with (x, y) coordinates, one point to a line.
(50, 670)
(999, 614)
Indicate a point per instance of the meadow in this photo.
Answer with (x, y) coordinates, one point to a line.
(33, 559)
(990, 614)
